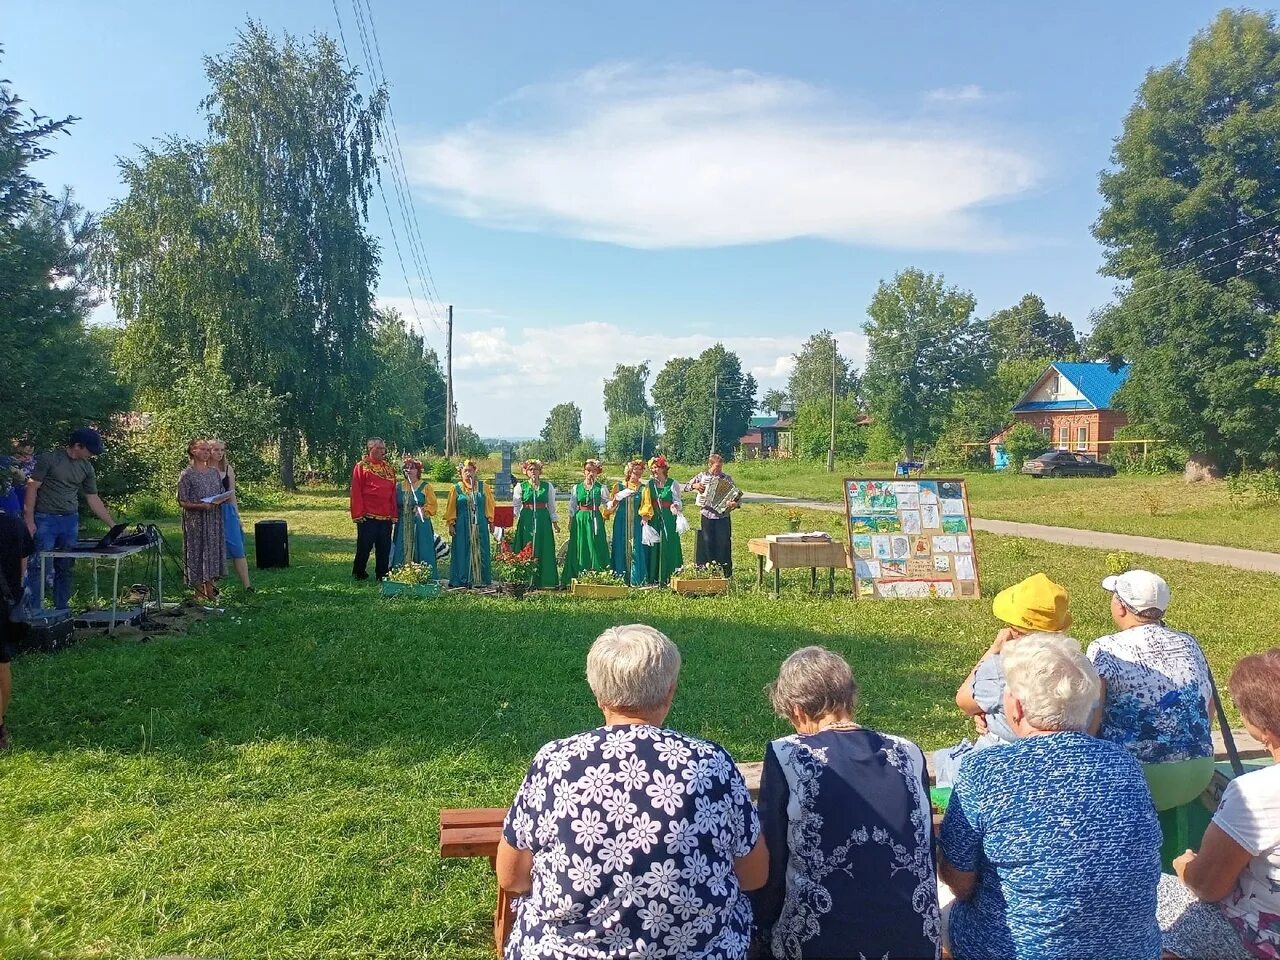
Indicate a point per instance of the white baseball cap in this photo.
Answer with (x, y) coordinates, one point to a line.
(1139, 590)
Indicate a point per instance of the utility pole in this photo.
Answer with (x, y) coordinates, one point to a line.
(715, 403)
(831, 450)
(448, 388)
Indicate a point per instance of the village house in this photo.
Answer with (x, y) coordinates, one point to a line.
(767, 437)
(1071, 404)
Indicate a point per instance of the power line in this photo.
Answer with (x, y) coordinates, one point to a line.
(395, 133)
(1155, 258)
(395, 241)
(395, 158)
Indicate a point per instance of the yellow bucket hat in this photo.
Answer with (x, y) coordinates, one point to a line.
(1036, 604)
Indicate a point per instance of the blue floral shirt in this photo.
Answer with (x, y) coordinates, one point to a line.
(634, 830)
(1062, 834)
(1158, 693)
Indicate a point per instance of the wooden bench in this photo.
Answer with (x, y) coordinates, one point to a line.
(475, 832)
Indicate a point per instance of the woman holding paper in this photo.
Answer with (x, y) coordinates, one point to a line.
(231, 527)
(200, 495)
(665, 556)
(630, 503)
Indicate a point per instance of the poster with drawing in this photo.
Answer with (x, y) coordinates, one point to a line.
(911, 539)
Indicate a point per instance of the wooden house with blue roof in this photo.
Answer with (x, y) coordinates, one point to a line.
(1072, 404)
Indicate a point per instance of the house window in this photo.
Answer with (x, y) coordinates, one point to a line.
(1046, 430)
(1082, 438)
(1064, 438)
(1055, 385)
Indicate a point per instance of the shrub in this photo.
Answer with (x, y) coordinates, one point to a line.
(582, 451)
(1159, 458)
(443, 471)
(881, 445)
(1023, 442)
(1119, 562)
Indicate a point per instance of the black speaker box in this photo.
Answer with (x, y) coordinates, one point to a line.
(271, 544)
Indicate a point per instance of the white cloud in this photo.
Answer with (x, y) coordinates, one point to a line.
(507, 378)
(682, 157)
(968, 93)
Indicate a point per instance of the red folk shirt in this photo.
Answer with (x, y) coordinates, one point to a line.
(373, 490)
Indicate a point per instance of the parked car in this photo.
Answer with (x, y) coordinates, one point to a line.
(1064, 463)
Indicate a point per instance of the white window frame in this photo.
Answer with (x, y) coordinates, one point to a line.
(1064, 437)
(1082, 437)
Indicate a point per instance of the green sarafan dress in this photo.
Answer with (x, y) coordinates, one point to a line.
(536, 511)
(665, 556)
(588, 544)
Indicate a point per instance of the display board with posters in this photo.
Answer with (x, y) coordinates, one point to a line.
(911, 539)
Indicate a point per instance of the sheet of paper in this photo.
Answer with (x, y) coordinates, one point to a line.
(964, 567)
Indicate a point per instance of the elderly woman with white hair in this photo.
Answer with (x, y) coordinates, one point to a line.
(848, 825)
(631, 840)
(1051, 843)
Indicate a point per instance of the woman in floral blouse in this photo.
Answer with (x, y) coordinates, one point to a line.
(631, 840)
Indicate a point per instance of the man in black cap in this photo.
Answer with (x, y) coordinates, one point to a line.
(52, 508)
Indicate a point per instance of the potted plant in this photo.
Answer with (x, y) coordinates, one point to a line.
(412, 579)
(602, 584)
(794, 519)
(513, 571)
(702, 579)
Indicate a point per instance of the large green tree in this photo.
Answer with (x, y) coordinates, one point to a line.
(705, 403)
(562, 430)
(924, 345)
(54, 374)
(629, 429)
(254, 240)
(407, 387)
(1189, 217)
(810, 379)
(1027, 331)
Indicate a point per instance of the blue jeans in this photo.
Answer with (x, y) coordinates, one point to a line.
(54, 531)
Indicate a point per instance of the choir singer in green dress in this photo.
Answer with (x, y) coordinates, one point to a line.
(588, 510)
(533, 504)
(665, 556)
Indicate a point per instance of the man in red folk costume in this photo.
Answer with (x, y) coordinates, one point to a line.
(373, 508)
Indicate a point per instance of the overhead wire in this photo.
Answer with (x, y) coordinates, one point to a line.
(395, 164)
(404, 176)
(395, 240)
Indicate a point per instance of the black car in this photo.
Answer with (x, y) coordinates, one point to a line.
(1064, 463)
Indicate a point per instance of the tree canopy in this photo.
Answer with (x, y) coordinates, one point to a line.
(562, 431)
(630, 429)
(810, 378)
(705, 404)
(254, 241)
(923, 345)
(54, 376)
(1027, 331)
(1189, 217)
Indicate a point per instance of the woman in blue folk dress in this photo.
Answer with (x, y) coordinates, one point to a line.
(414, 538)
(629, 498)
(469, 514)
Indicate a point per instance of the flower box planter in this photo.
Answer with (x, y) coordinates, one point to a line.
(392, 589)
(695, 588)
(598, 591)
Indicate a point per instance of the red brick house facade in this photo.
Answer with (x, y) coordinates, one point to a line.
(1071, 404)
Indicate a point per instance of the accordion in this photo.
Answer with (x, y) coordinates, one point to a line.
(717, 495)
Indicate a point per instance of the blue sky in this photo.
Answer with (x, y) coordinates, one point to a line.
(605, 183)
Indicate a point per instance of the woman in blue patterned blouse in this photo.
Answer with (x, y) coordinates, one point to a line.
(847, 821)
(631, 840)
(1050, 843)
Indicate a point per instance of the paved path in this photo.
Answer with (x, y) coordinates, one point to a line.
(1096, 539)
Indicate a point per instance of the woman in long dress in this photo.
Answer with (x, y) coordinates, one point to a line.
(204, 543)
(231, 527)
(629, 498)
(588, 545)
(469, 514)
(414, 540)
(533, 504)
(665, 556)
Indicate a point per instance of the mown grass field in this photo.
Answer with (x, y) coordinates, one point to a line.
(268, 785)
(1159, 506)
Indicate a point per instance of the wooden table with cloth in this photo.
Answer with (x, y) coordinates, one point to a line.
(779, 555)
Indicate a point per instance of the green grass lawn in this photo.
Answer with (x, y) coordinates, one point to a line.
(1161, 506)
(269, 785)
